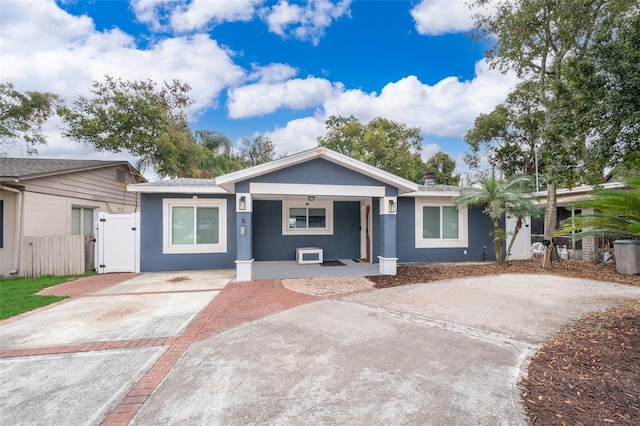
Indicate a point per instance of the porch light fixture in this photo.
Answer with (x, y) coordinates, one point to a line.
(243, 228)
(311, 197)
(392, 206)
(242, 204)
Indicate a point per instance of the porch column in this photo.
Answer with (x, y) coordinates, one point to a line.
(388, 259)
(244, 214)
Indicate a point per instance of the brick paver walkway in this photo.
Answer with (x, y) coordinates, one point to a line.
(236, 304)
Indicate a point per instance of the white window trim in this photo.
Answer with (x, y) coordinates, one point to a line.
(220, 247)
(463, 231)
(327, 205)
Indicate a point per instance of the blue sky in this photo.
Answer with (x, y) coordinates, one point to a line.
(272, 68)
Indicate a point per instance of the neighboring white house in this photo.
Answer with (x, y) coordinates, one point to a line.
(47, 197)
(588, 249)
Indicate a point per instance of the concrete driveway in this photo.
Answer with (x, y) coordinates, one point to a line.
(447, 353)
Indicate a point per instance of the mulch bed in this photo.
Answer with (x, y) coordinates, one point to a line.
(411, 274)
(588, 373)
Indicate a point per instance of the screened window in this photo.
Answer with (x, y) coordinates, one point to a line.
(307, 218)
(81, 220)
(303, 217)
(195, 226)
(440, 225)
(440, 222)
(192, 225)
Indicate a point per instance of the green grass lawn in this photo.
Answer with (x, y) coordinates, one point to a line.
(17, 294)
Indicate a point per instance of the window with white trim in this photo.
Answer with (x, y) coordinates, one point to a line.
(194, 225)
(82, 220)
(440, 225)
(307, 218)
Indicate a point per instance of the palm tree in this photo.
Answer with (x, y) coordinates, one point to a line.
(499, 196)
(617, 212)
(220, 158)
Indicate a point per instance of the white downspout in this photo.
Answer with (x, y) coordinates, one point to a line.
(17, 243)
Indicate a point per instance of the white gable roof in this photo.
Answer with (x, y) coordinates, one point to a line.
(229, 180)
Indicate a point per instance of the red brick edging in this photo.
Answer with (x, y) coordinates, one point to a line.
(237, 303)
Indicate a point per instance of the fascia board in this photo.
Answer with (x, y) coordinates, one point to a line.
(582, 189)
(402, 184)
(431, 194)
(228, 181)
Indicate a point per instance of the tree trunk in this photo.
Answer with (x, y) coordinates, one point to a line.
(550, 220)
(513, 237)
(497, 241)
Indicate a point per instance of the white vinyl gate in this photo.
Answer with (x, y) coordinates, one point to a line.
(118, 243)
(522, 245)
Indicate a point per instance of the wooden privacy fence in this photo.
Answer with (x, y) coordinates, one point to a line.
(55, 255)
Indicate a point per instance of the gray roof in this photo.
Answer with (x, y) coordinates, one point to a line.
(438, 188)
(180, 182)
(30, 168)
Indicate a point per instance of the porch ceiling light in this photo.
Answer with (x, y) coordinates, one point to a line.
(242, 204)
(311, 197)
(392, 206)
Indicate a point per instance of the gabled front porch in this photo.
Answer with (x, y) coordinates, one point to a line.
(263, 270)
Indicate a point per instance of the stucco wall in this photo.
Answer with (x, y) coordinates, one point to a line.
(270, 244)
(318, 172)
(151, 256)
(479, 227)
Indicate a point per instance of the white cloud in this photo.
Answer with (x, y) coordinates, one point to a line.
(185, 15)
(199, 13)
(272, 73)
(287, 19)
(297, 135)
(437, 17)
(264, 98)
(154, 13)
(447, 108)
(50, 50)
(306, 22)
(429, 150)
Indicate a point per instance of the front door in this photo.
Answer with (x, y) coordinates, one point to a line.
(365, 232)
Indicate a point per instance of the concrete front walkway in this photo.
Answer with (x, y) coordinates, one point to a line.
(446, 353)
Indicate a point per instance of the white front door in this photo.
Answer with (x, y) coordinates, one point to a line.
(521, 246)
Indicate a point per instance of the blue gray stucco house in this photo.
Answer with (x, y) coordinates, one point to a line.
(315, 198)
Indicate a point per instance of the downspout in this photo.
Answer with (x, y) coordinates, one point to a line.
(17, 243)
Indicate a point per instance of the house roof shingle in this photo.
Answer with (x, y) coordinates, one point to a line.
(31, 168)
(180, 182)
(438, 188)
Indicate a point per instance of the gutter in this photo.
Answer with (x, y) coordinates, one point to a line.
(17, 243)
